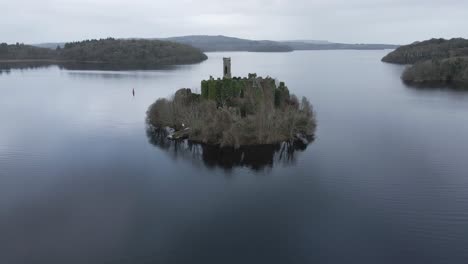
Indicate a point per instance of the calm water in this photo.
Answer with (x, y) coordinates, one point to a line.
(81, 181)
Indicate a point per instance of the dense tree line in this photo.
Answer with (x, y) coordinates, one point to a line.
(434, 61)
(131, 52)
(428, 50)
(25, 52)
(451, 70)
(110, 51)
(236, 112)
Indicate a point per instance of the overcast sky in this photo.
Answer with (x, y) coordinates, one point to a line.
(350, 21)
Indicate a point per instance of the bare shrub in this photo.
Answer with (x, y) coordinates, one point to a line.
(251, 120)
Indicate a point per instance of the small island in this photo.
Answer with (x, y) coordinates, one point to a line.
(235, 112)
(126, 53)
(435, 61)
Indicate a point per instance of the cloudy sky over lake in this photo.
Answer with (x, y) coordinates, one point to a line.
(350, 21)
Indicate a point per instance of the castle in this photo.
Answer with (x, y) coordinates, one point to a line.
(229, 87)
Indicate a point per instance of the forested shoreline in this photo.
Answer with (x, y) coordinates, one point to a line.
(435, 61)
(132, 53)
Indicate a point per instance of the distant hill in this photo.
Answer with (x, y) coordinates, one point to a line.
(310, 41)
(337, 46)
(435, 61)
(223, 43)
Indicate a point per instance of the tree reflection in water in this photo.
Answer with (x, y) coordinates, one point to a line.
(254, 157)
(67, 65)
(7, 67)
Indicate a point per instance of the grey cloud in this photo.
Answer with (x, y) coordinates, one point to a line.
(376, 21)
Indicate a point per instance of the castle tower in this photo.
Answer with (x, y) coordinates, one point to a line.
(227, 68)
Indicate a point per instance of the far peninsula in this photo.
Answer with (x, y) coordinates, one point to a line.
(435, 61)
(126, 53)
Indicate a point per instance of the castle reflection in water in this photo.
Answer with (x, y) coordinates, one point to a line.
(256, 158)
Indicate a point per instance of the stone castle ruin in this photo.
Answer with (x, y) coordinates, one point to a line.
(236, 111)
(230, 89)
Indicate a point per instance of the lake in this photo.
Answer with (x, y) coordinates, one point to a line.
(82, 180)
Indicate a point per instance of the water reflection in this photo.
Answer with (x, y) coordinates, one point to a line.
(438, 86)
(9, 65)
(99, 75)
(6, 67)
(256, 158)
(110, 67)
